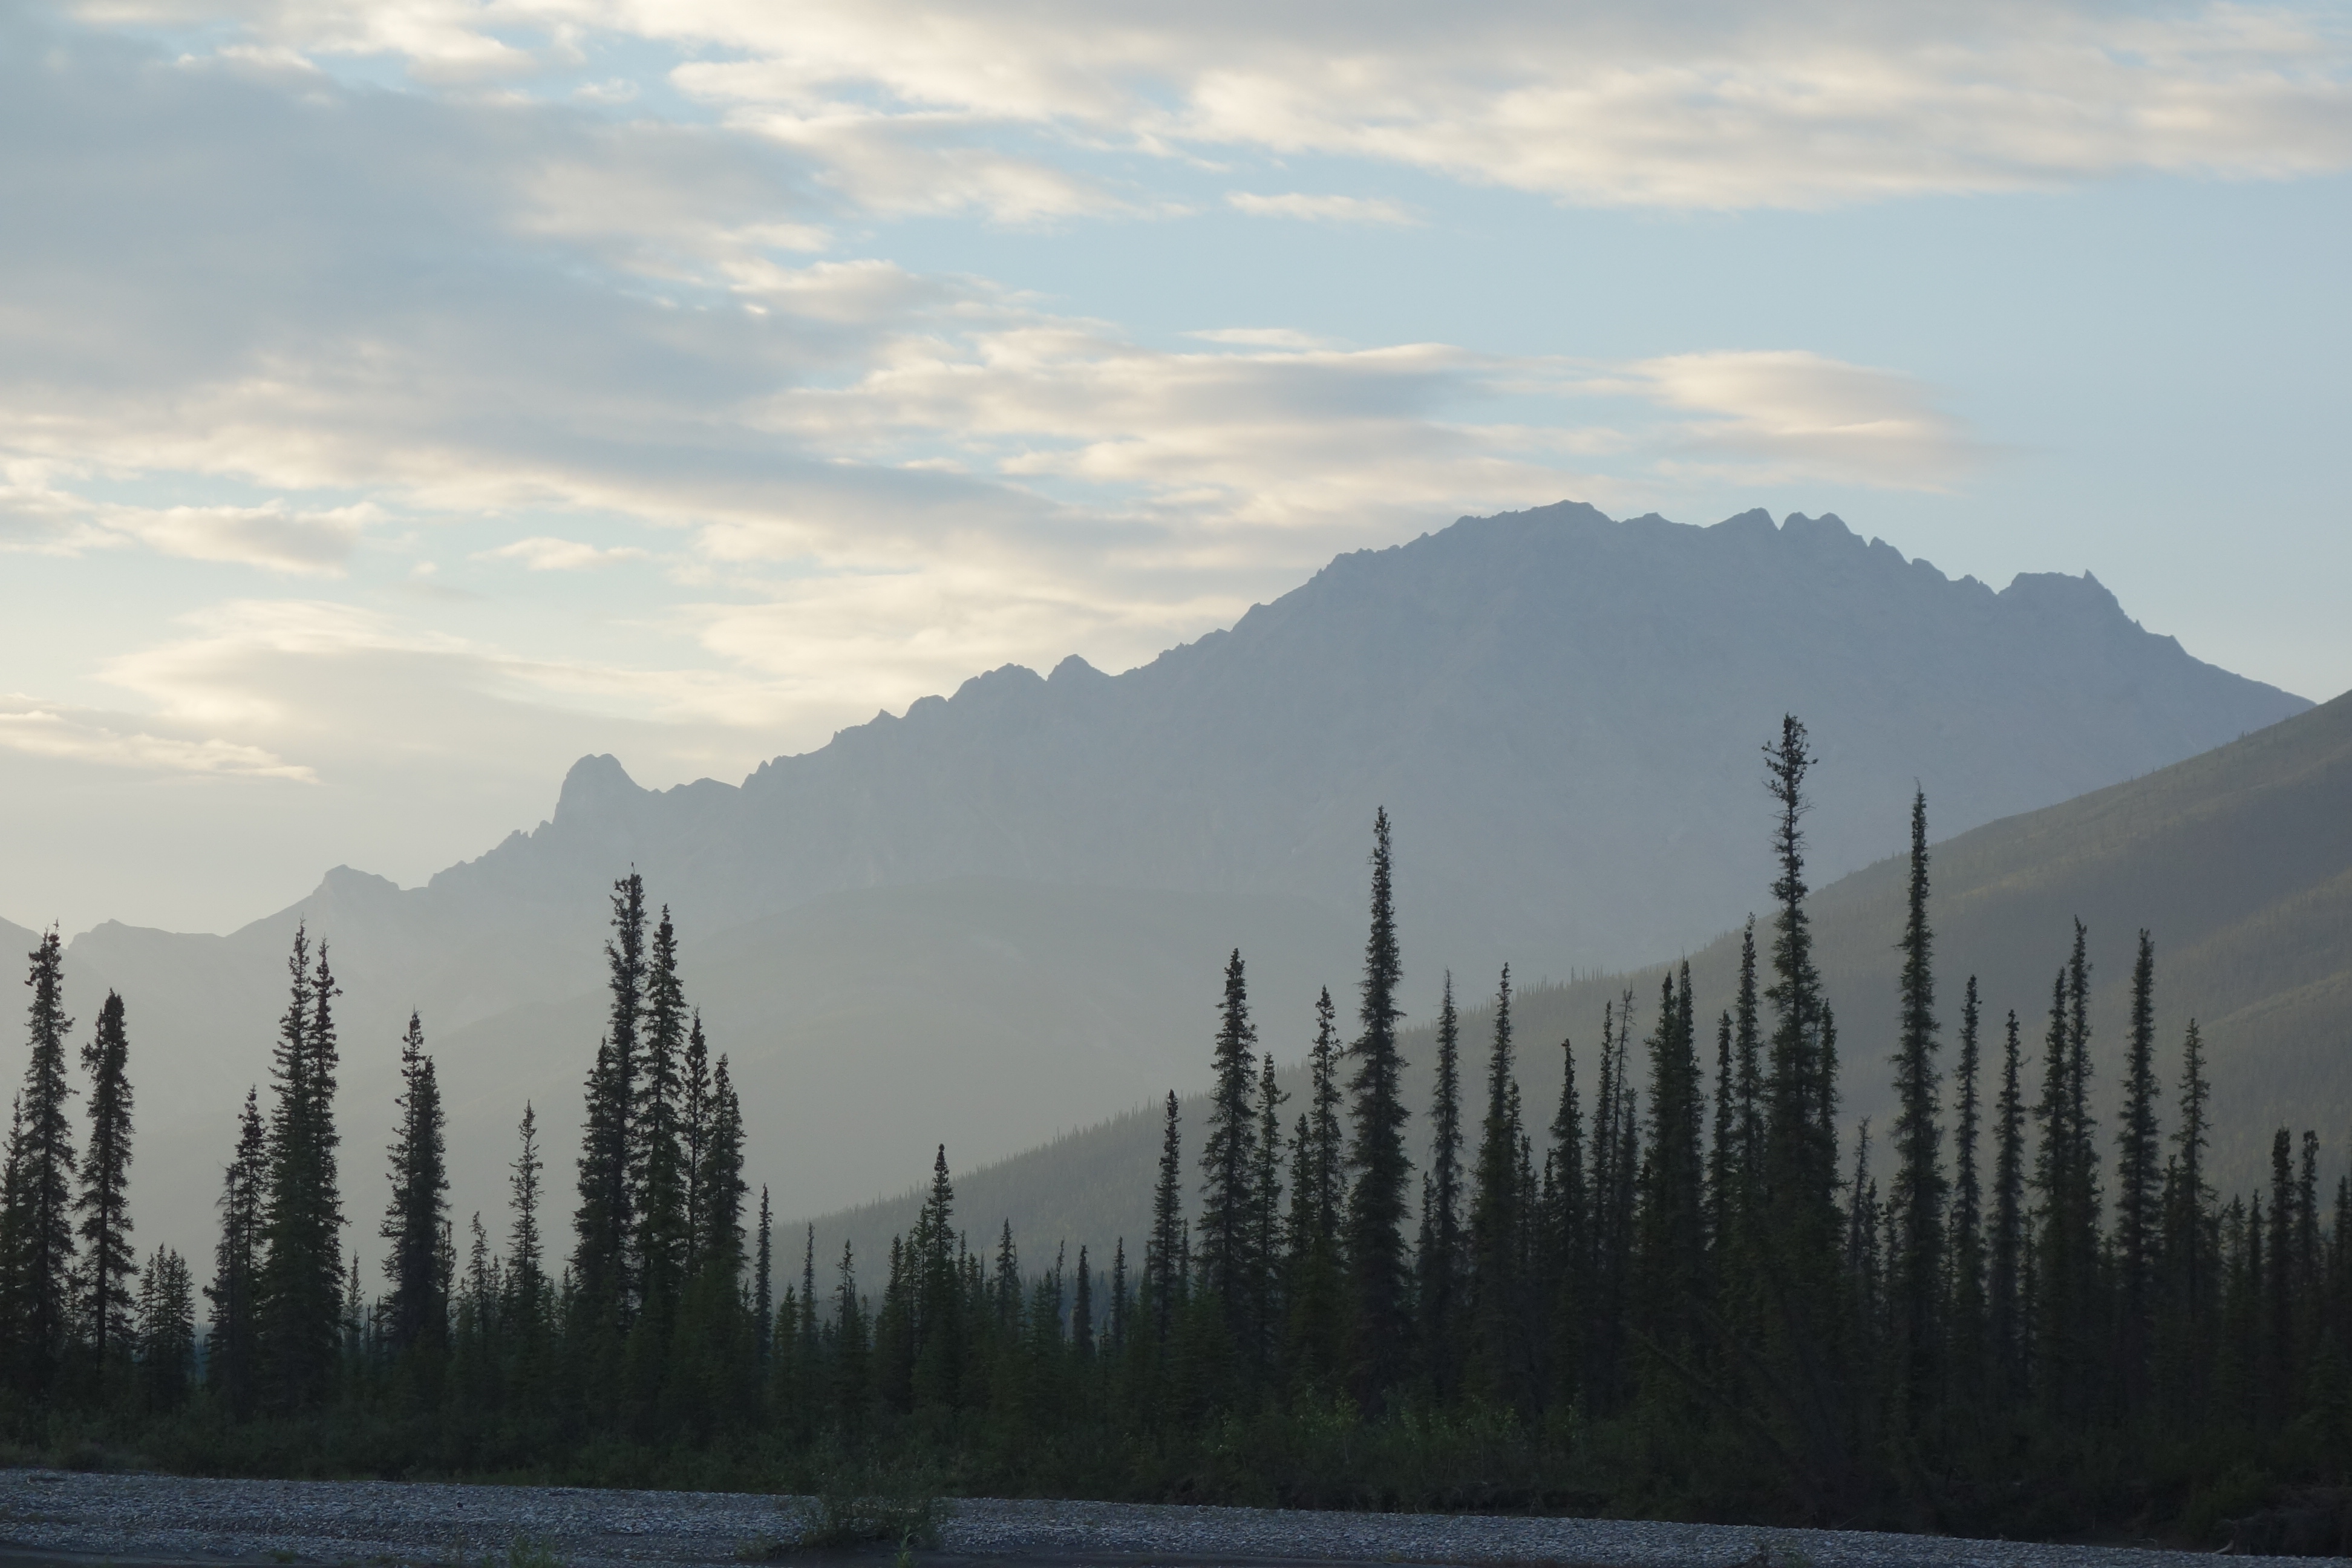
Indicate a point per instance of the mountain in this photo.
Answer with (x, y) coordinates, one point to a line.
(2238, 862)
(998, 915)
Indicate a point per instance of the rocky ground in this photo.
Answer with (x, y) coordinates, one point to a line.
(52, 1516)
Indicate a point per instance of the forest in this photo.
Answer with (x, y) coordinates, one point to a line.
(1685, 1290)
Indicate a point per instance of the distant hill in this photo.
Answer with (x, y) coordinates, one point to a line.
(2239, 862)
(998, 916)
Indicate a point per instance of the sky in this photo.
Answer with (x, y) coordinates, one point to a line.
(400, 400)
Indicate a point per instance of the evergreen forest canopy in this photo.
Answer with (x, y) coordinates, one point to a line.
(1680, 1294)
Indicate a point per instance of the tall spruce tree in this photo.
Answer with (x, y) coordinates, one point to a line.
(41, 1158)
(1968, 1291)
(1917, 1285)
(108, 1260)
(1673, 1218)
(1499, 1364)
(1163, 1276)
(232, 1358)
(300, 1294)
(2005, 1309)
(1567, 1250)
(1441, 1253)
(2139, 1181)
(604, 1222)
(1380, 1320)
(417, 1312)
(1266, 1239)
(1229, 1162)
(658, 1172)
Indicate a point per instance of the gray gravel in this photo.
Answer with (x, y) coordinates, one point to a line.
(384, 1522)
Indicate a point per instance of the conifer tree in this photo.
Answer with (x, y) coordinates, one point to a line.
(41, 1167)
(658, 1173)
(414, 1220)
(1228, 1164)
(1566, 1257)
(763, 1289)
(2005, 1311)
(1918, 1284)
(300, 1293)
(604, 1222)
(526, 1270)
(1723, 1144)
(1672, 1179)
(2139, 1223)
(1747, 1041)
(1082, 1311)
(1440, 1258)
(1266, 1242)
(108, 1260)
(1967, 1294)
(694, 1127)
(1376, 1156)
(232, 1347)
(720, 1245)
(1497, 1357)
(166, 1331)
(1162, 1275)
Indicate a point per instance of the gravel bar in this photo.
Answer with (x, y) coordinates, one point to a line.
(180, 1520)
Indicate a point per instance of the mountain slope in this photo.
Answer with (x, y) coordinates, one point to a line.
(2239, 862)
(1558, 710)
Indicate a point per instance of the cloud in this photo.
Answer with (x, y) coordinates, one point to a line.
(1784, 414)
(1323, 209)
(45, 731)
(541, 554)
(38, 514)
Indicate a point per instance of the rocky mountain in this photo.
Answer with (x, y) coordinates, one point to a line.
(999, 915)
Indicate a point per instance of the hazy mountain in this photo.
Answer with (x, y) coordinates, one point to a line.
(1000, 914)
(2239, 862)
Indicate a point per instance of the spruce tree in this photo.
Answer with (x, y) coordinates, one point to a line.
(41, 1163)
(300, 1299)
(1499, 1361)
(2138, 1221)
(1568, 1253)
(1374, 1247)
(604, 1222)
(1918, 1284)
(104, 1202)
(526, 1268)
(2005, 1311)
(1082, 1311)
(1439, 1258)
(1162, 1276)
(418, 1315)
(1672, 1179)
(232, 1358)
(1967, 1295)
(1265, 1241)
(1228, 1164)
(763, 1288)
(658, 1172)
(166, 1330)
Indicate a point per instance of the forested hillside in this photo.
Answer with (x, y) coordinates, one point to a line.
(2239, 862)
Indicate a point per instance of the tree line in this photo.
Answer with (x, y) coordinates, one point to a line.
(1685, 1290)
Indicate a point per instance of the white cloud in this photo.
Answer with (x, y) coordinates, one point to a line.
(1777, 416)
(542, 554)
(48, 730)
(918, 105)
(1323, 209)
